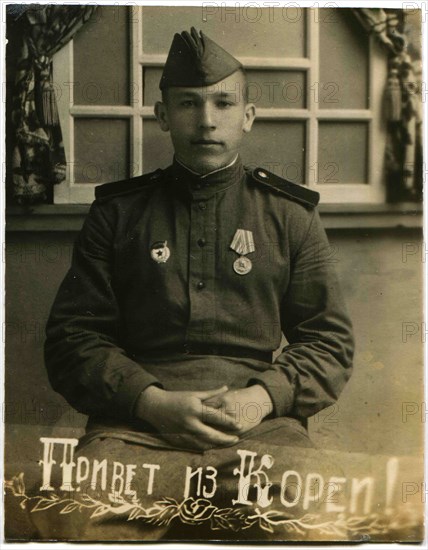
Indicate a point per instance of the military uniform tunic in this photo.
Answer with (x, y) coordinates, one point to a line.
(124, 318)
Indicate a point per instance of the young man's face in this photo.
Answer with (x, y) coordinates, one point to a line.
(207, 123)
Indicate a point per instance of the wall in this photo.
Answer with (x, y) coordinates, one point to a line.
(383, 288)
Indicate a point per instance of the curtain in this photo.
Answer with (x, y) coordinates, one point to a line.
(38, 159)
(403, 103)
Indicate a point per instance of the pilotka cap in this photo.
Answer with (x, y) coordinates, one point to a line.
(196, 60)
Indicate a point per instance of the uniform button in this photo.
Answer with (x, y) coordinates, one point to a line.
(262, 174)
(202, 206)
(200, 285)
(202, 242)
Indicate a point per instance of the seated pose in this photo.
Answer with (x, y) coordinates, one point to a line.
(181, 285)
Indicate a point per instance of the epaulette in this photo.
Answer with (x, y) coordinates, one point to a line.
(124, 187)
(291, 190)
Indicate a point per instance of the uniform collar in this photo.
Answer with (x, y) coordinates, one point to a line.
(210, 183)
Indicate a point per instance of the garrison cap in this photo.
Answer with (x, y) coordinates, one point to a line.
(196, 60)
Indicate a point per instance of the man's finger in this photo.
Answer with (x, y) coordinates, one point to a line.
(215, 402)
(210, 435)
(206, 394)
(219, 417)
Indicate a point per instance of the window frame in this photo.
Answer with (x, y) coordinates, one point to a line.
(372, 192)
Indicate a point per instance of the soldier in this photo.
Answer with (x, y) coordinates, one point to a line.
(181, 285)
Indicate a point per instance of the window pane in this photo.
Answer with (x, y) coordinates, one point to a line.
(101, 150)
(277, 89)
(241, 30)
(157, 147)
(151, 79)
(344, 61)
(277, 146)
(101, 59)
(343, 152)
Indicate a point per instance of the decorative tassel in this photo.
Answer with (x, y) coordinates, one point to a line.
(393, 97)
(409, 157)
(49, 107)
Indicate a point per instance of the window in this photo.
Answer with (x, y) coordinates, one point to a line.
(317, 84)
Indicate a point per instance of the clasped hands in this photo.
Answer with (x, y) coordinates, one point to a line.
(203, 420)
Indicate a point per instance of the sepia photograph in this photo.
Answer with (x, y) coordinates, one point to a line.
(214, 272)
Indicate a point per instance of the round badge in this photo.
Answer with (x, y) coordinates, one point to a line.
(242, 265)
(160, 252)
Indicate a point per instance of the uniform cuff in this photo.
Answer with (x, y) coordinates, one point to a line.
(278, 387)
(130, 391)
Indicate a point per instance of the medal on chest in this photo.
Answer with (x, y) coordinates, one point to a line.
(160, 252)
(243, 244)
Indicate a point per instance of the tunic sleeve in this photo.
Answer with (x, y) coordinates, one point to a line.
(84, 360)
(311, 371)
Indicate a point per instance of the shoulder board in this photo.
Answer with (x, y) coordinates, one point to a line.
(291, 190)
(124, 187)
